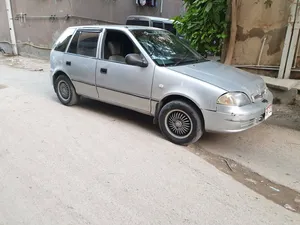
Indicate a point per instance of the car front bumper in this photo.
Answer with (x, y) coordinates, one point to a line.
(235, 119)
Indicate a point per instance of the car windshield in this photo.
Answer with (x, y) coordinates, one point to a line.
(165, 48)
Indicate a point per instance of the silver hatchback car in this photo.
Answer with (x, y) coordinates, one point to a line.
(151, 71)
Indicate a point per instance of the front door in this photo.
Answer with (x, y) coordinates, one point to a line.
(119, 83)
(81, 60)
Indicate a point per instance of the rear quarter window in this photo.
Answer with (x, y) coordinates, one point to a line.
(63, 41)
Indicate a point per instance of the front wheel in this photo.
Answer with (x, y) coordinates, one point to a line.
(181, 123)
(65, 91)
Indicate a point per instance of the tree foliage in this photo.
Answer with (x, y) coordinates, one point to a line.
(204, 24)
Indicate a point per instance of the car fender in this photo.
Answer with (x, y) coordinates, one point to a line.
(202, 94)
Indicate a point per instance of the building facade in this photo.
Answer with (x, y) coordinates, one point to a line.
(38, 23)
(268, 37)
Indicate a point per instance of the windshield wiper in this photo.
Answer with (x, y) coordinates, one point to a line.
(184, 59)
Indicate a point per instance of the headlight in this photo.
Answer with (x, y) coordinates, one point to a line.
(234, 99)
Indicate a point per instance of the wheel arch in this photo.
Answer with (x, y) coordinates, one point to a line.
(56, 75)
(174, 97)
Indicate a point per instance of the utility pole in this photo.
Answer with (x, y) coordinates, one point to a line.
(11, 27)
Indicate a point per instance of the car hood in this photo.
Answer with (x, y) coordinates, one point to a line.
(226, 77)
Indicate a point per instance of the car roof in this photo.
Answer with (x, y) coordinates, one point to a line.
(151, 18)
(119, 27)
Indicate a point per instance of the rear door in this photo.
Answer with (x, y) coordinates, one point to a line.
(81, 59)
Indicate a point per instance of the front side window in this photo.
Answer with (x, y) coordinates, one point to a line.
(84, 43)
(165, 48)
(63, 41)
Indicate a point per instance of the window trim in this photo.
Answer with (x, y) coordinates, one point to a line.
(67, 48)
(100, 31)
(55, 44)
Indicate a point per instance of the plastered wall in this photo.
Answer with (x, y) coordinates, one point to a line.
(256, 22)
(43, 32)
(4, 29)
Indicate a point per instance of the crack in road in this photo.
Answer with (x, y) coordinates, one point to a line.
(279, 194)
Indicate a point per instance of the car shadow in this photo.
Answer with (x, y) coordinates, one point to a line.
(138, 119)
(146, 122)
(210, 140)
(119, 113)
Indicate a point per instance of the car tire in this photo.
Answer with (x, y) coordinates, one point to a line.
(65, 91)
(181, 123)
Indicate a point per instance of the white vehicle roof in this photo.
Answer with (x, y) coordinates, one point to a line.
(120, 27)
(150, 18)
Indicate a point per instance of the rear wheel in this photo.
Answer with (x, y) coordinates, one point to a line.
(65, 91)
(180, 122)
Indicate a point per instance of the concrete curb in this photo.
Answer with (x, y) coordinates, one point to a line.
(281, 84)
(285, 91)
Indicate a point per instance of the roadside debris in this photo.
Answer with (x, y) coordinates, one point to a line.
(274, 189)
(228, 164)
(20, 62)
(251, 180)
(38, 70)
(287, 206)
(284, 196)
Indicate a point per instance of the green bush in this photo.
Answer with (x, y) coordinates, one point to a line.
(204, 24)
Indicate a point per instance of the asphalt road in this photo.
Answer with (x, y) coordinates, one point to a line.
(98, 164)
(270, 150)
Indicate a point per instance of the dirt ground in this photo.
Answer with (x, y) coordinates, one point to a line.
(286, 116)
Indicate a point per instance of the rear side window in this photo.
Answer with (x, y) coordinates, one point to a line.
(138, 23)
(63, 41)
(158, 24)
(84, 43)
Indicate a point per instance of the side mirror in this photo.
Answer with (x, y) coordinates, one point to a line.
(136, 60)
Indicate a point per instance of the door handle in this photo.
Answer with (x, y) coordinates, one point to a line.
(103, 70)
(68, 63)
